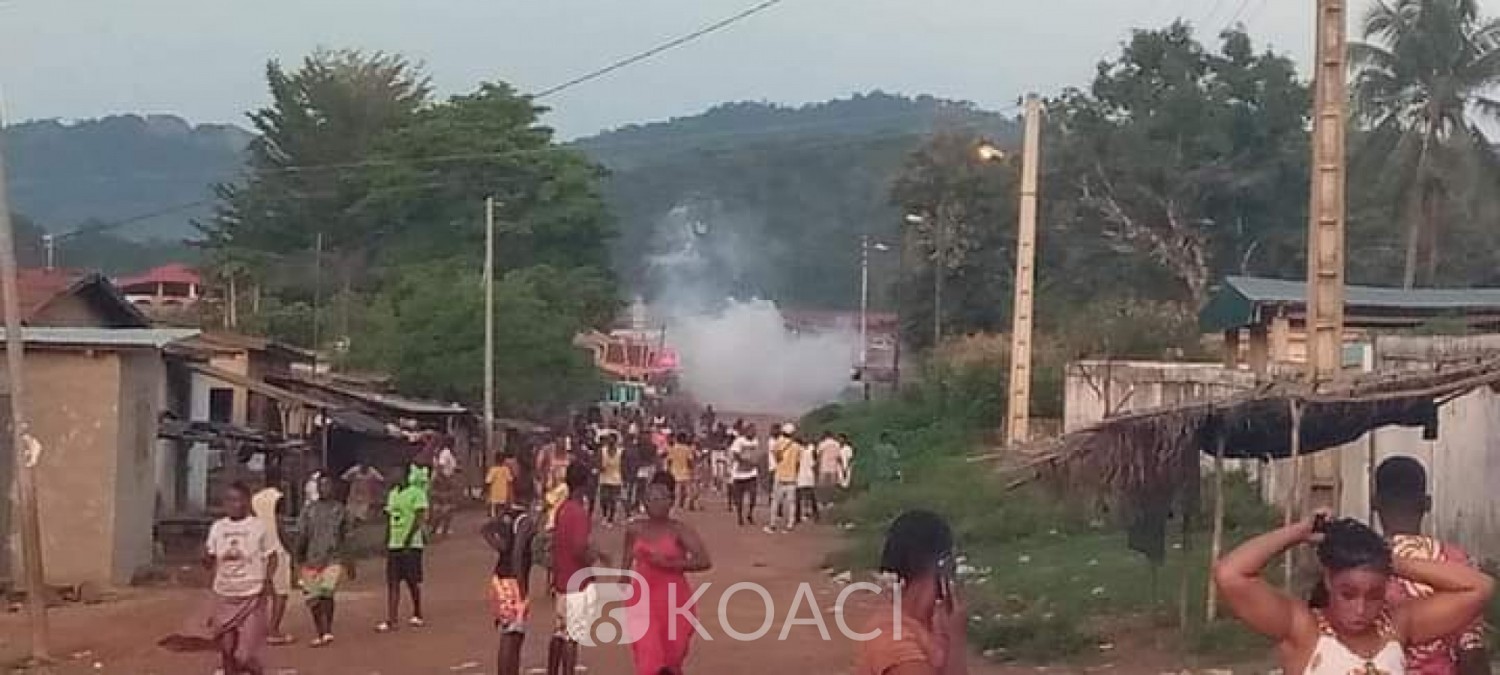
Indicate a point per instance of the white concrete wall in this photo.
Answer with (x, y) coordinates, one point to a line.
(1463, 463)
(198, 454)
(1095, 390)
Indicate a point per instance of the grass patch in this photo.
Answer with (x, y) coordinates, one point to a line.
(1053, 578)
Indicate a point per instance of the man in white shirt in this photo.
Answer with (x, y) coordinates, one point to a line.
(830, 458)
(807, 483)
(744, 475)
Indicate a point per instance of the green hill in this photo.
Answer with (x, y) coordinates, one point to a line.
(67, 175)
(769, 201)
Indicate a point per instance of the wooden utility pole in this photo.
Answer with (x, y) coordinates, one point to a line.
(489, 327)
(1019, 400)
(317, 307)
(24, 451)
(1325, 236)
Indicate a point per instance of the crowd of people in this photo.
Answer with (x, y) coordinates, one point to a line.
(633, 472)
(542, 501)
(1385, 603)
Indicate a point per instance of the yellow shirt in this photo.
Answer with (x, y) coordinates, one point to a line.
(788, 454)
(680, 461)
(555, 497)
(499, 480)
(609, 467)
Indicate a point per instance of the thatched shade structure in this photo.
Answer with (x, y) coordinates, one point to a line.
(1148, 452)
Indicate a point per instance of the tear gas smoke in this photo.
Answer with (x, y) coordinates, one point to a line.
(738, 354)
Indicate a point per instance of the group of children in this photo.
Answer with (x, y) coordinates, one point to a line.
(254, 568)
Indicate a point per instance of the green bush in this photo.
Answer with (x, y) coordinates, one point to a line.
(1051, 578)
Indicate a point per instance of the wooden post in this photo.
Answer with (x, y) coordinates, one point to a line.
(24, 449)
(1260, 351)
(1019, 401)
(1232, 348)
(489, 327)
(1325, 237)
(1292, 505)
(1216, 544)
(1281, 339)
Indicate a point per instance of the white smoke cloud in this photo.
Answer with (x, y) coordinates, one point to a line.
(738, 354)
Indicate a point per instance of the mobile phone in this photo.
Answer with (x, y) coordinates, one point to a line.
(945, 577)
(1320, 522)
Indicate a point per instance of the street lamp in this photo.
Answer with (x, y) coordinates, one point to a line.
(989, 152)
(864, 307)
(939, 256)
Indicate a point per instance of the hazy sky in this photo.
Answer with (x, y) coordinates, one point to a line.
(204, 59)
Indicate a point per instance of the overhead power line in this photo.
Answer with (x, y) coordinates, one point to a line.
(665, 46)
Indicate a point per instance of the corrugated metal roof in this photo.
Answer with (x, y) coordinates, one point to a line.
(1260, 289)
(1238, 303)
(155, 338)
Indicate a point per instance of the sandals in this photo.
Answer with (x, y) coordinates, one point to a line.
(386, 626)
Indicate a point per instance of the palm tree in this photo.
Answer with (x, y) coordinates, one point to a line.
(1421, 85)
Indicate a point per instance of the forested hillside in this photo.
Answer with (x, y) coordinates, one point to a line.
(775, 197)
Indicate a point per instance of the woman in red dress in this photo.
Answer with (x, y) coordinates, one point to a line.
(661, 551)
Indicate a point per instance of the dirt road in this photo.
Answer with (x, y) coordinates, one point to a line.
(118, 638)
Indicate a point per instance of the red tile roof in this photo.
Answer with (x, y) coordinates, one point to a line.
(37, 287)
(171, 273)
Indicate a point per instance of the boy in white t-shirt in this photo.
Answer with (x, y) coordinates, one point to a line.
(242, 553)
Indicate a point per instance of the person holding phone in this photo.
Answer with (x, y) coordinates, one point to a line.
(933, 620)
(1347, 626)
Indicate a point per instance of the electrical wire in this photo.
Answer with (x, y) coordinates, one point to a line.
(658, 49)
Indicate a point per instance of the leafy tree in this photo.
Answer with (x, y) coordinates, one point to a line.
(960, 236)
(427, 327)
(305, 169)
(1422, 88)
(426, 199)
(354, 150)
(1184, 158)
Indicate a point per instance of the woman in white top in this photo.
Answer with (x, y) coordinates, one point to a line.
(1347, 627)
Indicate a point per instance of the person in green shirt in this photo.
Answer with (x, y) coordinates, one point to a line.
(406, 513)
(887, 459)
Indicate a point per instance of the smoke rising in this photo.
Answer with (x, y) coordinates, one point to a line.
(735, 350)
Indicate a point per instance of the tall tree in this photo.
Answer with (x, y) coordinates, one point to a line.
(423, 200)
(1424, 78)
(960, 230)
(1184, 157)
(305, 170)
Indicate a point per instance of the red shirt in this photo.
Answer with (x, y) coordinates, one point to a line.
(1438, 657)
(570, 542)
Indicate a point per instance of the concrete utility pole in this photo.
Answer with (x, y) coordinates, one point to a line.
(489, 327)
(1017, 430)
(864, 314)
(1325, 235)
(23, 449)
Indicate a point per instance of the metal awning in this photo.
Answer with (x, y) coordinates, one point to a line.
(259, 387)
